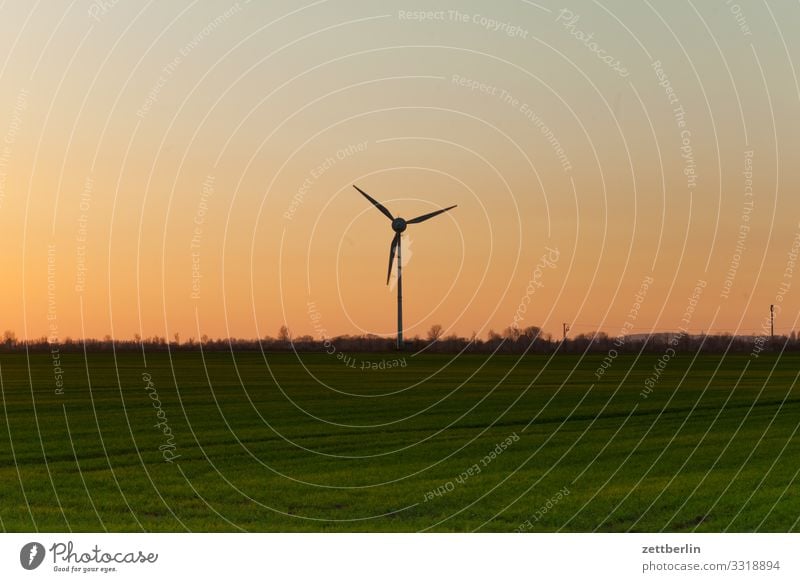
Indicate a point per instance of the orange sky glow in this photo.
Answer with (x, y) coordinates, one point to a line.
(188, 168)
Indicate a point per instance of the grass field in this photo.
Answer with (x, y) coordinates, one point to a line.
(267, 443)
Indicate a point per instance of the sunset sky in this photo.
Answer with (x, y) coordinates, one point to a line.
(188, 166)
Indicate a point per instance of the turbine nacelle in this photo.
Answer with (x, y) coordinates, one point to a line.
(399, 225)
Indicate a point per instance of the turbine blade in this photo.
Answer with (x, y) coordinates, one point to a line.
(425, 217)
(392, 251)
(377, 204)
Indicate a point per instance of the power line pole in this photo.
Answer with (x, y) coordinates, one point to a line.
(772, 322)
(565, 327)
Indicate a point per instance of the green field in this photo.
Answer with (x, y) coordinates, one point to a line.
(273, 443)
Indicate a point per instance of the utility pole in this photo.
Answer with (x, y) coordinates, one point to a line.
(772, 322)
(565, 327)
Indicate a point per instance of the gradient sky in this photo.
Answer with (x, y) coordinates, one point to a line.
(138, 126)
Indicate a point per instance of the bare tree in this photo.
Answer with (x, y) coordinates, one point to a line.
(9, 338)
(435, 332)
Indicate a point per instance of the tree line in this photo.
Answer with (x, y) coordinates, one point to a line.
(510, 341)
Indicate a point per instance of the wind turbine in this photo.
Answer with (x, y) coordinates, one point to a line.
(399, 226)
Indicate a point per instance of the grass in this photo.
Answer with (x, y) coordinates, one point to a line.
(273, 443)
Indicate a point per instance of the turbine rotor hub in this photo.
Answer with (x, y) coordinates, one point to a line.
(399, 225)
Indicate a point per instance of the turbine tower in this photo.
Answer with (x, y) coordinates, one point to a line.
(399, 226)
